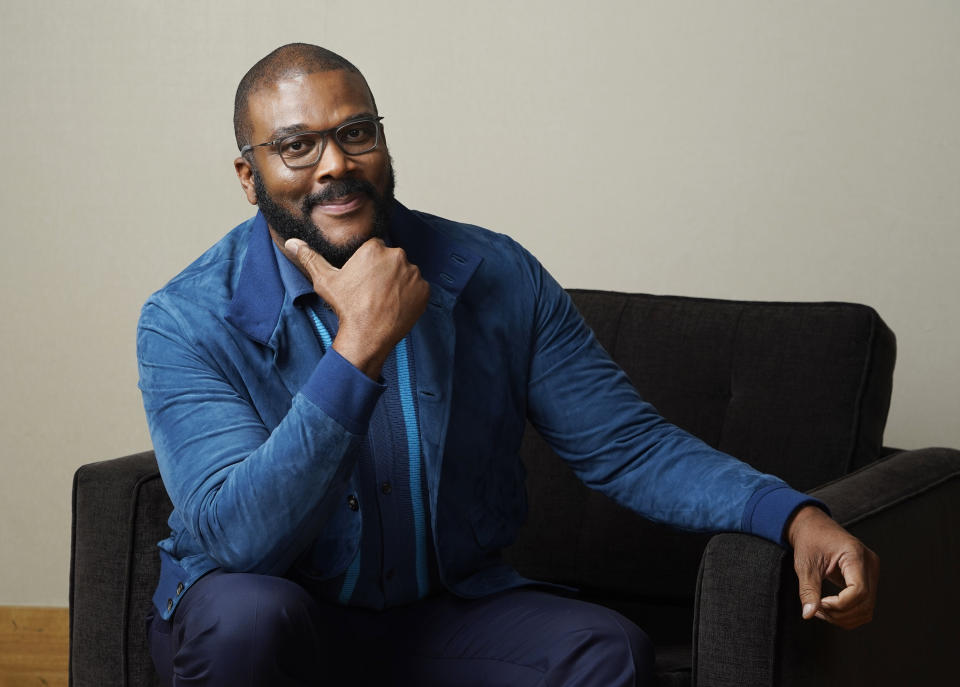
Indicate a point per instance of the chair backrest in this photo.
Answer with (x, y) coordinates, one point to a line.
(800, 390)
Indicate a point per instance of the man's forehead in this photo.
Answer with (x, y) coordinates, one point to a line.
(317, 100)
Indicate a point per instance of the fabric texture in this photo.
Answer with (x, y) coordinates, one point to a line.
(748, 629)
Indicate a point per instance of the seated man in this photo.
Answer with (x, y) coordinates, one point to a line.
(336, 393)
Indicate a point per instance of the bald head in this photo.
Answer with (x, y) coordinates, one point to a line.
(285, 62)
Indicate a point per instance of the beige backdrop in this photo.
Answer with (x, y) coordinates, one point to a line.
(755, 150)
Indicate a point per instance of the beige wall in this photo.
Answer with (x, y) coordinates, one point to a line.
(756, 150)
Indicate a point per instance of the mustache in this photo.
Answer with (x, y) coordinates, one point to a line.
(338, 188)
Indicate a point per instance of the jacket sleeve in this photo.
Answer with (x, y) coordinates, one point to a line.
(251, 497)
(587, 409)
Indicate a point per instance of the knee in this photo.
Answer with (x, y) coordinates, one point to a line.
(640, 648)
(244, 625)
(256, 608)
(611, 644)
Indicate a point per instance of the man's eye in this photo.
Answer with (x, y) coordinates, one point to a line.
(297, 147)
(357, 133)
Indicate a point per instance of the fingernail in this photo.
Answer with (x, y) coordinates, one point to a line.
(809, 610)
(293, 246)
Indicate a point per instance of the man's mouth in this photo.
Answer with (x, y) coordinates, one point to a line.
(340, 205)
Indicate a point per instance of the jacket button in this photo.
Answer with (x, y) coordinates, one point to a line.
(353, 503)
(180, 589)
(386, 487)
(169, 604)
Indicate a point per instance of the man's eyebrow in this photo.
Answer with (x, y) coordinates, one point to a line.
(287, 130)
(300, 128)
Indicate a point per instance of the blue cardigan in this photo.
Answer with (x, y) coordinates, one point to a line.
(257, 442)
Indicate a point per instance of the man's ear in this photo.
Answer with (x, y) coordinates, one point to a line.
(245, 175)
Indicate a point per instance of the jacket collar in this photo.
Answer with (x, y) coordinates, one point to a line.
(259, 297)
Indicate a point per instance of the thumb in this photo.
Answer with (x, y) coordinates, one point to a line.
(810, 585)
(309, 260)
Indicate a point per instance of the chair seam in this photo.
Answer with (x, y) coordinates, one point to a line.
(776, 636)
(905, 497)
(730, 375)
(861, 395)
(695, 645)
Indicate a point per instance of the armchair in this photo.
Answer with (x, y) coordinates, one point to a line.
(797, 389)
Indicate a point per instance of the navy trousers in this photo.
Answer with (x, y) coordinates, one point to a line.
(243, 630)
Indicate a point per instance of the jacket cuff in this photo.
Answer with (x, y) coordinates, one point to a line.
(769, 510)
(343, 392)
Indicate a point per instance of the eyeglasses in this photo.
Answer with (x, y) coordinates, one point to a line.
(305, 148)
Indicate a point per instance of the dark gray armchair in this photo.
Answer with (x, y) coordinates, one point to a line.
(797, 389)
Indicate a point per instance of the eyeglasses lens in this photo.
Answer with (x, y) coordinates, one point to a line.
(353, 138)
(357, 137)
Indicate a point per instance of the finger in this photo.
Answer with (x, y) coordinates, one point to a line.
(810, 581)
(371, 245)
(852, 607)
(836, 577)
(846, 619)
(853, 569)
(848, 598)
(292, 246)
(830, 602)
(310, 260)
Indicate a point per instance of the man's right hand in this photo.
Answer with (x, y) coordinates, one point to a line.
(377, 295)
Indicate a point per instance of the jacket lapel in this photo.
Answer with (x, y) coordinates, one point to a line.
(259, 294)
(264, 311)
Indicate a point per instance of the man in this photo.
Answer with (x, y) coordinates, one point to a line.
(336, 393)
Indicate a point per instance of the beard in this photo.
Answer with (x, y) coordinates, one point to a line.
(289, 226)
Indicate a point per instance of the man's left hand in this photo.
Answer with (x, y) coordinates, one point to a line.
(824, 550)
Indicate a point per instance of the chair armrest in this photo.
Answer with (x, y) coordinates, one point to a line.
(747, 625)
(106, 560)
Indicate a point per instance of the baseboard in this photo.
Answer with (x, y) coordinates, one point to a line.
(34, 646)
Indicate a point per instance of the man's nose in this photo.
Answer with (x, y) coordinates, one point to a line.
(333, 162)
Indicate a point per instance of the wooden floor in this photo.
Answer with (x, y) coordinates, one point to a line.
(34, 646)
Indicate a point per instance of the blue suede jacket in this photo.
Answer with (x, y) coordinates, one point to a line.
(257, 441)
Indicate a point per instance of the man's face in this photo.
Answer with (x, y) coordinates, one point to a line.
(340, 202)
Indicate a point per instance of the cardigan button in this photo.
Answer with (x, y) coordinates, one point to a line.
(180, 589)
(169, 604)
(352, 503)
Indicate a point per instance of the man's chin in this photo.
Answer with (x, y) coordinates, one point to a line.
(336, 254)
(337, 240)
(343, 228)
